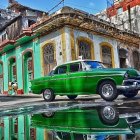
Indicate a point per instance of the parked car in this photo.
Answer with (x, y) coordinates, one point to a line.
(84, 77)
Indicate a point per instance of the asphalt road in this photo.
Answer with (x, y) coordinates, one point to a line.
(14, 101)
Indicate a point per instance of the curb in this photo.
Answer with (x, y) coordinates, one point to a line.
(22, 96)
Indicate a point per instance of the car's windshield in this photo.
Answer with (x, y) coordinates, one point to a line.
(93, 65)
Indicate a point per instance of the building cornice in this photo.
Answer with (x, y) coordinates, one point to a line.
(86, 22)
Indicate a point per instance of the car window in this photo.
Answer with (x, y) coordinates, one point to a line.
(61, 70)
(93, 64)
(75, 67)
(51, 73)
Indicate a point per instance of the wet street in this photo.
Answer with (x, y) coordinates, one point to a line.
(86, 118)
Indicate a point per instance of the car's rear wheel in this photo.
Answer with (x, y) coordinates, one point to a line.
(130, 94)
(107, 90)
(71, 97)
(48, 95)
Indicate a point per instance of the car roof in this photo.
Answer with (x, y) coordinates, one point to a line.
(79, 61)
(75, 61)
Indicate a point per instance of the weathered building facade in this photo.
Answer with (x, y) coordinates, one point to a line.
(61, 37)
(125, 14)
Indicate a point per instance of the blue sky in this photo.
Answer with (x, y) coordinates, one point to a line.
(91, 6)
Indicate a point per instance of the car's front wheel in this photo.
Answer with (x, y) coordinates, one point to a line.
(107, 90)
(71, 97)
(130, 94)
(48, 95)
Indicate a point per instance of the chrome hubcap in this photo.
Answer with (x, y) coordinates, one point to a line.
(48, 114)
(107, 90)
(47, 94)
(109, 113)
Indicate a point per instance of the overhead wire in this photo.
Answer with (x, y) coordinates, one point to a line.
(62, 1)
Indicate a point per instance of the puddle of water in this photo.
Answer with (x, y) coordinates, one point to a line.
(71, 121)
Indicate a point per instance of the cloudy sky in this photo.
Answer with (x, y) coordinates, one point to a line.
(91, 6)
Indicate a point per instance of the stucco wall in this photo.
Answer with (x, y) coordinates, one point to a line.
(97, 40)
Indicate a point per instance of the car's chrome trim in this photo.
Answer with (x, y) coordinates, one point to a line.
(129, 88)
(131, 80)
(75, 77)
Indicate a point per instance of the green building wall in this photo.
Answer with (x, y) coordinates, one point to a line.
(18, 53)
(37, 58)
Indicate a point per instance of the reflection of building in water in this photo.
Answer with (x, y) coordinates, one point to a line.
(17, 129)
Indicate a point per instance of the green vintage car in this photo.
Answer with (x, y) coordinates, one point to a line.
(82, 77)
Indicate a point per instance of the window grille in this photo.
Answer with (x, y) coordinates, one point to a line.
(107, 56)
(84, 50)
(49, 60)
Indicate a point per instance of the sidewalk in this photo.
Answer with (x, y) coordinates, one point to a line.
(30, 95)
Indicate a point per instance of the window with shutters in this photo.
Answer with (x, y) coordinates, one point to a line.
(48, 57)
(106, 56)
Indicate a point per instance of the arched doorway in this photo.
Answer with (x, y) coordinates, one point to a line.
(12, 70)
(49, 61)
(1, 78)
(123, 53)
(136, 60)
(28, 73)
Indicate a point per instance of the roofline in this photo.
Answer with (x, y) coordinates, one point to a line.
(65, 18)
(10, 6)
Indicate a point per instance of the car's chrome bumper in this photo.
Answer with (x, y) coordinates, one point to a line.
(134, 86)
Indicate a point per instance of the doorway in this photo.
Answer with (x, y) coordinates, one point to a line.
(28, 73)
(1, 78)
(122, 57)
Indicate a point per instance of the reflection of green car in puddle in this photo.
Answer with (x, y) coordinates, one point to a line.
(84, 77)
(87, 121)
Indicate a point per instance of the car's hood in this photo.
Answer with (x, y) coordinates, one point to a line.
(131, 72)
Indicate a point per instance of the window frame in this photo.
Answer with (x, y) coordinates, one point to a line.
(47, 67)
(86, 43)
(111, 55)
(58, 68)
(80, 65)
